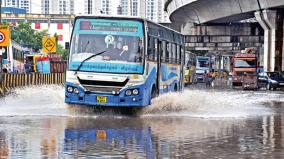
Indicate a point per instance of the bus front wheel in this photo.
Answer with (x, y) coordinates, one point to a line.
(153, 92)
(175, 88)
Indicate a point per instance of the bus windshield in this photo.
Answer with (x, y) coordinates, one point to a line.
(245, 63)
(122, 41)
(203, 63)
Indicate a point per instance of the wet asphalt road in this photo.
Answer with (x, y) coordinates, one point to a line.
(198, 123)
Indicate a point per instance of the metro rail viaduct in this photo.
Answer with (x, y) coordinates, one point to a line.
(193, 17)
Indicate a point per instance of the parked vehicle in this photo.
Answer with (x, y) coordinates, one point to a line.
(262, 80)
(270, 80)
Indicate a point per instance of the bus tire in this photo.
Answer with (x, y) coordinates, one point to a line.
(154, 92)
(175, 88)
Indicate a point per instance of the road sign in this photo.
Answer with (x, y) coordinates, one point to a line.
(4, 35)
(49, 44)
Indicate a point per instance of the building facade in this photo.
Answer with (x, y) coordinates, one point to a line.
(42, 6)
(130, 7)
(23, 4)
(150, 9)
(56, 7)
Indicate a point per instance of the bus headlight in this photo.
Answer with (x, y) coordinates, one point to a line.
(135, 91)
(69, 89)
(128, 92)
(76, 90)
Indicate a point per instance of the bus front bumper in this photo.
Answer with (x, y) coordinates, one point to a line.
(104, 99)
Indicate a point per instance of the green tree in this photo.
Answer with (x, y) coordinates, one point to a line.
(25, 35)
(60, 50)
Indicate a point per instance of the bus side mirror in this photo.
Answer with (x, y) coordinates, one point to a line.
(67, 45)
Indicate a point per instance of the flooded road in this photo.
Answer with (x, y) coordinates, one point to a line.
(35, 123)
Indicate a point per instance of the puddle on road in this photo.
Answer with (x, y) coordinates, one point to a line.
(49, 101)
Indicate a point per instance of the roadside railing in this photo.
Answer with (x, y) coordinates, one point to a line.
(11, 81)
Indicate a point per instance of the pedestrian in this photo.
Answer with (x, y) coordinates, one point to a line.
(212, 78)
(207, 78)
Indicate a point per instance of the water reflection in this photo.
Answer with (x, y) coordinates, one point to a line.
(200, 124)
(106, 137)
(173, 138)
(3, 146)
(144, 137)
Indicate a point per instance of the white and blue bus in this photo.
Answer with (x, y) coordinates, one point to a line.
(202, 66)
(122, 62)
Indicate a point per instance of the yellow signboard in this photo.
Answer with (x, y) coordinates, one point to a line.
(4, 35)
(49, 44)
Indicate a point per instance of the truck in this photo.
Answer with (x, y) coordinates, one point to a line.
(245, 70)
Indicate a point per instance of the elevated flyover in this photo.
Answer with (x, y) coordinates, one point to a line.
(268, 13)
(204, 11)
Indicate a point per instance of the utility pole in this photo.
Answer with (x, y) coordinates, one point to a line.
(1, 61)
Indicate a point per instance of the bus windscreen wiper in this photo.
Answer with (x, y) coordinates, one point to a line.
(94, 55)
(86, 46)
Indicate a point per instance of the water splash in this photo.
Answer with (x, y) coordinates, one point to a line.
(34, 100)
(46, 100)
(49, 101)
(211, 103)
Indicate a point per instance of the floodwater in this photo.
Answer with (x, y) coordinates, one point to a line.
(35, 123)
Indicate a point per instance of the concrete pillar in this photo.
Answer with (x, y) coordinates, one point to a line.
(272, 23)
(186, 28)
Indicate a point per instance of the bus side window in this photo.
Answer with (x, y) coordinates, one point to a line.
(178, 53)
(181, 53)
(156, 50)
(168, 52)
(150, 50)
(174, 53)
(164, 50)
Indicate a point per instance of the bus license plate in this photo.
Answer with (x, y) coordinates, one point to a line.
(101, 99)
(101, 134)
